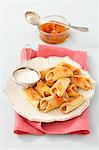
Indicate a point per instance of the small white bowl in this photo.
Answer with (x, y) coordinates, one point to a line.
(22, 84)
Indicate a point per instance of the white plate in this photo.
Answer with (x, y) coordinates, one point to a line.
(24, 107)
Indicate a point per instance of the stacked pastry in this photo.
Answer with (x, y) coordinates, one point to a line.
(59, 88)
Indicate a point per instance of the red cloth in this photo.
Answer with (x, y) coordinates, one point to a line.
(78, 125)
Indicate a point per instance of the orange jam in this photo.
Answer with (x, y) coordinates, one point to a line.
(54, 32)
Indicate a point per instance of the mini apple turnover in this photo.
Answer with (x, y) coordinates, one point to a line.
(60, 87)
(32, 96)
(49, 103)
(43, 73)
(72, 90)
(76, 71)
(72, 104)
(58, 73)
(82, 82)
(42, 89)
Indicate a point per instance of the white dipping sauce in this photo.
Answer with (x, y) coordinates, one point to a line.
(26, 76)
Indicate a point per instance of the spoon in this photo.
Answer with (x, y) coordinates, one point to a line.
(27, 59)
(34, 19)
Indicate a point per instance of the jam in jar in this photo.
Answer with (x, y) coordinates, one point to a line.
(54, 32)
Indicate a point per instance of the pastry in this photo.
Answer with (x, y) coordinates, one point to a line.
(32, 96)
(72, 104)
(42, 89)
(72, 90)
(82, 82)
(75, 70)
(60, 87)
(43, 73)
(58, 73)
(49, 103)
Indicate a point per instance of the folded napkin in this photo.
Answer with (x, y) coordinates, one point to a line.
(78, 125)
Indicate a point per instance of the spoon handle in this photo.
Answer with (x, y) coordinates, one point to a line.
(82, 29)
(28, 52)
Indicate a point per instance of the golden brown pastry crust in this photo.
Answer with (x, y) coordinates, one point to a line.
(58, 73)
(50, 84)
(72, 104)
(65, 97)
(60, 87)
(31, 94)
(76, 71)
(81, 82)
(43, 73)
(49, 103)
(72, 90)
(42, 89)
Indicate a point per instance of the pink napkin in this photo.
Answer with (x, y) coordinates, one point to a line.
(78, 125)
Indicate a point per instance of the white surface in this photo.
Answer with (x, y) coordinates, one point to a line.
(25, 108)
(14, 34)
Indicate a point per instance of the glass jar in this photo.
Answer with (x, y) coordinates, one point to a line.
(54, 30)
